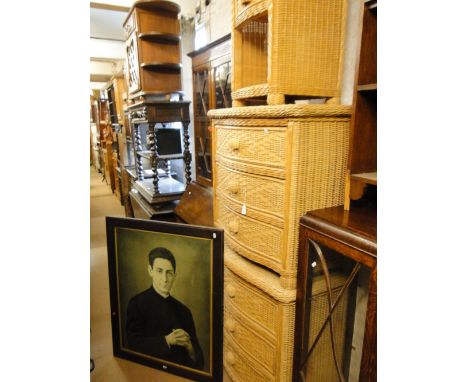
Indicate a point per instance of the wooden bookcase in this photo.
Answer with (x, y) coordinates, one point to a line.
(211, 73)
(152, 32)
(362, 166)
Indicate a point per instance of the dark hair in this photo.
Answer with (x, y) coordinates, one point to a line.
(161, 253)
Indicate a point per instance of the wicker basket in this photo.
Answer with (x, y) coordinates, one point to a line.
(273, 164)
(287, 48)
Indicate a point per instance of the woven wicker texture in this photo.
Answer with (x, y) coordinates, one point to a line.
(263, 318)
(253, 145)
(314, 154)
(251, 238)
(260, 193)
(282, 111)
(301, 42)
(321, 366)
(248, 338)
(262, 279)
(241, 367)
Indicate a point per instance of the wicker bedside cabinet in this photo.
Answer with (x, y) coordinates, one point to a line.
(272, 164)
(287, 48)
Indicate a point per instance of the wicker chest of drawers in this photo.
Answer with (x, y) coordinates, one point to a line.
(271, 165)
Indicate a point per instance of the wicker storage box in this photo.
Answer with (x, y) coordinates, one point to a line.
(292, 47)
(259, 324)
(273, 164)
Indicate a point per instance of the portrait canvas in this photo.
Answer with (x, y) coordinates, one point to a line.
(166, 292)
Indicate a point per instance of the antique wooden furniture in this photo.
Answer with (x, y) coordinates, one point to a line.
(152, 31)
(287, 49)
(337, 243)
(362, 167)
(211, 70)
(162, 164)
(114, 96)
(272, 164)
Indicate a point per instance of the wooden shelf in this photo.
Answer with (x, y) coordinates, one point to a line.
(161, 65)
(366, 177)
(159, 37)
(367, 87)
(149, 155)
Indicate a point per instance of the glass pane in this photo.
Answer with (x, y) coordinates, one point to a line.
(201, 93)
(223, 85)
(346, 281)
(202, 135)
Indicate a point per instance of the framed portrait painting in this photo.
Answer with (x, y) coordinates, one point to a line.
(166, 294)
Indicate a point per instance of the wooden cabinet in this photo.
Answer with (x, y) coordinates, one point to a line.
(362, 167)
(161, 149)
(153, 56)
(287, 49)
(211, 68)
(334, 244)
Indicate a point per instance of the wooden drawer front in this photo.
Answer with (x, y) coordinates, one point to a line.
(258, 192)
(251, 238)
(263, 146)
(245, 9)
(240, 367)
(250, 340)
(130, 25)
(252, 302)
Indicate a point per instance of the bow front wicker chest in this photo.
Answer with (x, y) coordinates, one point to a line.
(271, 165)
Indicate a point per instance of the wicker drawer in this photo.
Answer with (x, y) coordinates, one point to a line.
(258, 241)
(238, 297)
(251, 341)
(260, 149)
(246, 9)
(263, 194)
(259, 318)
(240, 367)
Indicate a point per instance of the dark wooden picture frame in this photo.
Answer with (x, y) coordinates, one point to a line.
(193, 300)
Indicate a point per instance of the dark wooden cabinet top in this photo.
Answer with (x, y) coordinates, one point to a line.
(356, 228)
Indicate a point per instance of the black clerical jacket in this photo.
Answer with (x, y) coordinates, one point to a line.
(150, 317)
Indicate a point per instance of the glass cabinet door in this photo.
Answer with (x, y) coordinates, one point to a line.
(202, 134)
(222, 78)
(335, 290)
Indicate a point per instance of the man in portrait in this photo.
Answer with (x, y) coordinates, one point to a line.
(158, 324)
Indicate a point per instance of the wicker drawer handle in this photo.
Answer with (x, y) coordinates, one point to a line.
(231, 291)
(230, 358)
(231, 325)
(234, 144)
(233, 187)
(234, 226)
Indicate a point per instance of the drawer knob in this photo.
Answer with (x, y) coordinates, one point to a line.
(230, 358)
(233, 187)
(246, 1)
(231, 291)
(234, 226)
(234, 144)
(231, 325)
